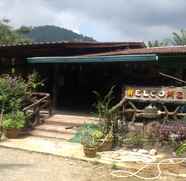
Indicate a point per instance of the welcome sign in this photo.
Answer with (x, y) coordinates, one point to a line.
(156, 93)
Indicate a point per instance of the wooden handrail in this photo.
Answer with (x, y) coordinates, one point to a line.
(36, 103)
(42, 102)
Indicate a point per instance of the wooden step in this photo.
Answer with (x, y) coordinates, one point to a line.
(47, 134)
(57, 128)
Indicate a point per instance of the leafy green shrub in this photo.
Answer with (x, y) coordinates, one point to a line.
(14, 120)
(13, 91)
(134, 140)
(34, 82)
(88, 138)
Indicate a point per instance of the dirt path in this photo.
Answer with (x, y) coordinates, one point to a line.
(24, 166)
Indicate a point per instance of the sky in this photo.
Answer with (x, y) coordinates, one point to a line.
(104, 20)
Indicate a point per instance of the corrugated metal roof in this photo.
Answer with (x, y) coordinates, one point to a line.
(155, 50)
(66, 43)
(64, 48)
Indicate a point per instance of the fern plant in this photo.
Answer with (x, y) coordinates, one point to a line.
(181, 149)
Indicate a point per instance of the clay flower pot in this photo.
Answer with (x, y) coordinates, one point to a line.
(12, 132)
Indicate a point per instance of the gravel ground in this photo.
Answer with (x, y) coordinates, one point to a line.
(18, 165)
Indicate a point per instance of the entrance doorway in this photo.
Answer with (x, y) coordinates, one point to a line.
(76, 83)
(72, 85)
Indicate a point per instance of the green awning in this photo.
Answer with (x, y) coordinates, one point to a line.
(94, 59)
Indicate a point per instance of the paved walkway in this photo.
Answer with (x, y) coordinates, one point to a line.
(16, 165)
(121, 158)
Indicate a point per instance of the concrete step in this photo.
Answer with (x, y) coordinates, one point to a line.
(57, 128)
(61, 126)
(62, 123)
(47, 134)
(69, 120)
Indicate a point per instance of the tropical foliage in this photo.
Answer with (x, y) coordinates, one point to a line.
(15, 92)
(9, 35)
(157, 43)
(15, 119)
(12, 93)
(90, 134)
(103, 106)
(178, 38)
(108, 115)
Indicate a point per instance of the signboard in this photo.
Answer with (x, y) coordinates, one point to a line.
(169, 94)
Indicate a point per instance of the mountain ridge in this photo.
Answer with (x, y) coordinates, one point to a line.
(51, 33)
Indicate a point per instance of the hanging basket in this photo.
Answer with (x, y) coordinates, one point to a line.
(90, 151)
(104, 145)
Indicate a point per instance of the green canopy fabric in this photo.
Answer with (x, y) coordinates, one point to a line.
(94, 59)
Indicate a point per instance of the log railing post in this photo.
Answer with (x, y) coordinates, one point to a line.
(41, 101)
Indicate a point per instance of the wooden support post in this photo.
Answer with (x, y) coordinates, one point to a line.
(36, 115)
(55, 87)
(49, 106)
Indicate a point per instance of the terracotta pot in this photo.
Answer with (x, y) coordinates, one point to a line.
(105, 145)
(89, 151)
(12, 132)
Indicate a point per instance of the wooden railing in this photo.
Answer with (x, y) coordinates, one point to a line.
(39, 108)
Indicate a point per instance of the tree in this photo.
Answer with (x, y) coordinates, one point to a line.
(178, 38)
(8, 35)
(24, 30)
(157, 43)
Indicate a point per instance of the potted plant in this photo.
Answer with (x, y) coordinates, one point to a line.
(89, 142)
(12, 123)
(105, 142)
(134, 140)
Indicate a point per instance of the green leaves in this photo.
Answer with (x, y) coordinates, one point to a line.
(181, 149)
(177, 38)
(103, 104)
(8, 35)
(90, 135)
(14, 120)
(34, 82)
(12, 92)
(157, 43)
